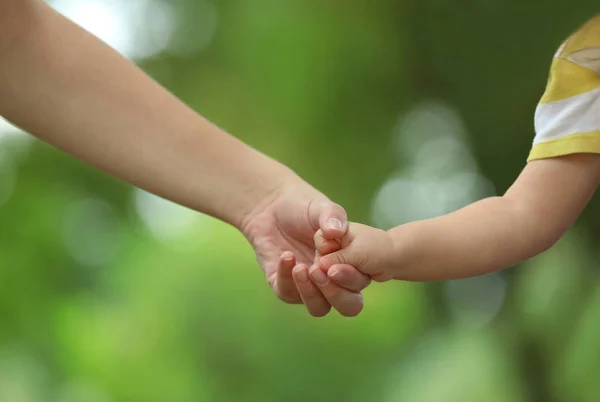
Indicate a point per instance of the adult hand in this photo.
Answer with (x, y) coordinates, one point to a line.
(282, 230)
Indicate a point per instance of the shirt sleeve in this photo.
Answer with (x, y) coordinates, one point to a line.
(567, 118)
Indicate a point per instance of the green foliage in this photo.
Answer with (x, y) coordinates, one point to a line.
(320, 86)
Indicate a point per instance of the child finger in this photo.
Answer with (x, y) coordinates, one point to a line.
(325, 246)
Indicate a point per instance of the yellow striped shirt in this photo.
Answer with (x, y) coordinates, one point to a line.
(567, 118)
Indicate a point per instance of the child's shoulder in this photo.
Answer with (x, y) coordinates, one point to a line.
(583, 45)
(576, 66)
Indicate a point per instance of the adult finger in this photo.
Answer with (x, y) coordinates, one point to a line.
(330, 217)
(348, 277)
(284, 286)
(313, 299)
(346, 302)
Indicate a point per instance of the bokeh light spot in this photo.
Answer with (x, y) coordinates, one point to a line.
(476, 301)
(442, 175)
(197, 29)
(137, 29)
(166, 220)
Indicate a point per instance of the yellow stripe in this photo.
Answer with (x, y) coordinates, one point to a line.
(568, 79)
(587, 36)
(580, 143)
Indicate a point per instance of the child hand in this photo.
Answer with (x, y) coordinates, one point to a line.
(319, 292)
(367, 249)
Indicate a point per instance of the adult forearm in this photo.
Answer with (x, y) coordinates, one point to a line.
(486, 236)
(12, 15)
(66, 87)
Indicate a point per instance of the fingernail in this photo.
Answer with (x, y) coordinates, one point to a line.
(334, 223)
(318, 276)
(302, 275)
(335, 273)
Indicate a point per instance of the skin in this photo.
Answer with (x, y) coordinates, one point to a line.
(290, 223)
(489, 235)
(69, 89)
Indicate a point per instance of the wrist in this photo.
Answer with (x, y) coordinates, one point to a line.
(264, 192)
(405, 250)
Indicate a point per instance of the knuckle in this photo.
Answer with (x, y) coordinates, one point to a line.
(364, 261)
(334, 209)
(341, 258)
(330, 205)
(319, 238)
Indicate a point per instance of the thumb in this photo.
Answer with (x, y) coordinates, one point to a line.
(328, 216)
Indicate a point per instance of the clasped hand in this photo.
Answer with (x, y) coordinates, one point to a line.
(311, 254)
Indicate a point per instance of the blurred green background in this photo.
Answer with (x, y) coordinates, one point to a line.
(399, 110)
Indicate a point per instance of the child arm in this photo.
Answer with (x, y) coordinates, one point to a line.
(499, 232)
(486, 236)
(543, 203)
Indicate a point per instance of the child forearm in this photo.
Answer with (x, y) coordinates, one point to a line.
(498, 232)
(68, 88)
(484, 237)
